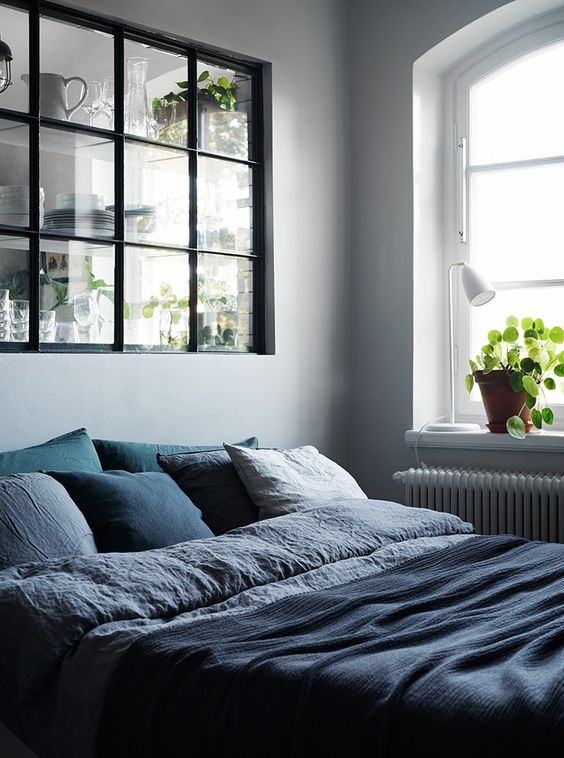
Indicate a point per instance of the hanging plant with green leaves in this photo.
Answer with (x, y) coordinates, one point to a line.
(533, 361)
(221, 90)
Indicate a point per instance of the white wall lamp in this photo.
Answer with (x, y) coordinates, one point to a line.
(5, 66)
(479, 291)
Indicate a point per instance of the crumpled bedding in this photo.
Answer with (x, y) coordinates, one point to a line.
(73, 619)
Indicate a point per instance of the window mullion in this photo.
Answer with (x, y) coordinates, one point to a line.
(119, 252)
(193, 215)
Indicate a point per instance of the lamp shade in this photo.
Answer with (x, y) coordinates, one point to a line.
(478, 289)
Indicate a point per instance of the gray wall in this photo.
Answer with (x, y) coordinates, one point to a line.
(386, 39)
(301, 393)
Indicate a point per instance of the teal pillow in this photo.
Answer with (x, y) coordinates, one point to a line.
(70, 452)
(116, 455)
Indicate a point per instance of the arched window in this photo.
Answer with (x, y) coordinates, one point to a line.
(507, 207)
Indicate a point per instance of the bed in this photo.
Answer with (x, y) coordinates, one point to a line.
(355, 627)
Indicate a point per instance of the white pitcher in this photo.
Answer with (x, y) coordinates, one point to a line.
(53, 94)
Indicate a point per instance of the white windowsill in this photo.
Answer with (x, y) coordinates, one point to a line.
(484, 440)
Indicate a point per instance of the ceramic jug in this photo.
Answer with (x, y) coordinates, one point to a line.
(53, 89)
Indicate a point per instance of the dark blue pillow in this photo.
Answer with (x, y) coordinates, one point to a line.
(130, 512)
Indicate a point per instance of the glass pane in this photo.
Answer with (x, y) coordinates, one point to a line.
(15, 33)
(77, 70)
(157, 284)
(14, 173)
(225, 211)
(515, 218)
(224, 111)
(77, 174)
(225, 303)
(156, 194)
(156, 94)
(77, 285)
(518, 112)
(14, 289)
(546, 303)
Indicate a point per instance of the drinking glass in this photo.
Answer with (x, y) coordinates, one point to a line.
(47, 326)
(66, 331)
(86, 313)
(4, 315)
(93, 103)
(20, 320)
(108, 99)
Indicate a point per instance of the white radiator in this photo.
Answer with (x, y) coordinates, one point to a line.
(496, 502)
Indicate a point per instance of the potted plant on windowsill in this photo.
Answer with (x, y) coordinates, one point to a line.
(514, 370)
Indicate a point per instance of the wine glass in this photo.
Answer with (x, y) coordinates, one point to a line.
(108, 99)
(93, 102)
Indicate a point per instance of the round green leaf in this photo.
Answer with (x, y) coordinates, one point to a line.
(559, 369)
(487, 349)
(530, 401)
(469, 382)
(548, 416)
(147, 310)
(536, 418)
(530, 333)
(526, 323)
(538, 324)
(516, 381)
(549, 383)
(560, 357)
(516, 427)
(513, 357)
(530, 386)
(494, 336)
(557, 334)
(473, 365)
(510, 334)
(527, 365)
(512, 321)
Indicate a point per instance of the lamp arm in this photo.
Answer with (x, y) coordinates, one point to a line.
(451, 338)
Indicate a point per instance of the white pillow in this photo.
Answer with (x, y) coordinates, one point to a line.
(283, 481)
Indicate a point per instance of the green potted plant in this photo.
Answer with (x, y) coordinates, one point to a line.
(172, 109)
(514, 370)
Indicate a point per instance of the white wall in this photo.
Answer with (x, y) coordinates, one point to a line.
(301, 393)
(387, 37)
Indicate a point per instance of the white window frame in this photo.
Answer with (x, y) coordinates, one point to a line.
(502, 50)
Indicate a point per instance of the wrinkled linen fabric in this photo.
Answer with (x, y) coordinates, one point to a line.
(75, 618)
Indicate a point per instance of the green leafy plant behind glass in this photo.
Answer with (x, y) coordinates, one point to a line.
(533, 361)
(222, 91)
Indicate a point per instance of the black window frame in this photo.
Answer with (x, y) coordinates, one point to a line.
(259, 162)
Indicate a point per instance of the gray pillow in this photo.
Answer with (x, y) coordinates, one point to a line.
(211, 482)
(38, 520)
(284, 481)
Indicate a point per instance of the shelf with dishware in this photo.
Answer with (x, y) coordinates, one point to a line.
(130, 207)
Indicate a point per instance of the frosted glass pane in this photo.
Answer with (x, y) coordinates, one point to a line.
(537, 302)
(515, 219)
(518, 112)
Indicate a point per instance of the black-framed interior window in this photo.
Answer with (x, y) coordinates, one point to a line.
(131, 190)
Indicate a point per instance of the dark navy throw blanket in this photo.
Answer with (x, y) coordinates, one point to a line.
(457, 653)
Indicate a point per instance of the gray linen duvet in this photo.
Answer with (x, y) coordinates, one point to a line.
(65, 623)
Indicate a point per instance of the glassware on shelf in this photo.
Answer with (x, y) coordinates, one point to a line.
(108, 99)
(4, 315)
(92, 104)
(66, 332)
(86, 315)
(138, 119)
(20, 320)
(47, 325)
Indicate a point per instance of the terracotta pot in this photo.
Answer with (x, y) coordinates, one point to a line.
(500, 402)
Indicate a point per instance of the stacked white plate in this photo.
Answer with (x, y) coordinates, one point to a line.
(14, 204)
(81, 214)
